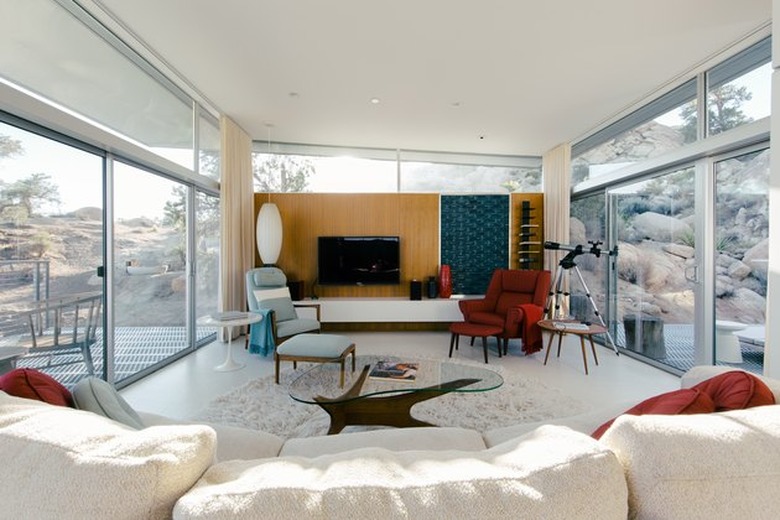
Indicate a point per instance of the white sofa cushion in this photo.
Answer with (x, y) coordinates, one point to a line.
(64, 463)
(232, 442)
(552, 472)
(720, 465)
(586, 423)
(393, 439)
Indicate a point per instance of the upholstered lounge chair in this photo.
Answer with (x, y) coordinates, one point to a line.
(514, 301)
(267, 292)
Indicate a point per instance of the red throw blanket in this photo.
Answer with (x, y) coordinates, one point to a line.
(532, 333)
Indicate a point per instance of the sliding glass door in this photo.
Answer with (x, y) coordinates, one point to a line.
(741, 253)
(654, 280)
(150, 260)
(51, 246)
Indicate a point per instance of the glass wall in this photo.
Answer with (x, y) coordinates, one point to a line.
(209, 149)
(53, 192)
(207, 237)
(51, 237)
(587, 227)
(654, 223)
(113, 90)
(283, 173)
(466, 178)
(665, 125)
(741, 258)
(691, 226)
(738, 92)
(390, 171)
(150, 281)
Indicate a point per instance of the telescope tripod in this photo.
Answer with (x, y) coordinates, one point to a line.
(556, 291)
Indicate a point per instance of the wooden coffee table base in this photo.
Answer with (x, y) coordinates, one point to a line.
(390, 410)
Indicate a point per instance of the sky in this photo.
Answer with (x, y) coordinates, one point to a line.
(78, 176)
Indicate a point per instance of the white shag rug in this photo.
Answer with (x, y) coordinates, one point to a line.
(263, 405)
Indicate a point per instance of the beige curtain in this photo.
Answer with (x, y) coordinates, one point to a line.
(237, 215)
(556, 171)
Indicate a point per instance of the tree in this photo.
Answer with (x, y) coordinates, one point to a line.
(174, 211)
(281, 173)
(10, 147)
(724, 111)
(30, 193)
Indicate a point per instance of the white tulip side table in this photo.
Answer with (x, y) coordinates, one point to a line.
(229, 320)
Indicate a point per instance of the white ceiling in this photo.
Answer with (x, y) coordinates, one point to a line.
(527, 76)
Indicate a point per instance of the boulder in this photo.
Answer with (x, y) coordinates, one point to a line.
(756, 257)
(659, 228)
(680, 250)
(739, 270)
(142, 222)
(577, 233)
(724, 286)
(88, 213)
(179, 284)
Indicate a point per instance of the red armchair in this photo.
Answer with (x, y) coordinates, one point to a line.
(515, 301)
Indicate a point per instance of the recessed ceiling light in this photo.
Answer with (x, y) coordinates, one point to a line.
(455, 104)
(375, 100)
(293, 94)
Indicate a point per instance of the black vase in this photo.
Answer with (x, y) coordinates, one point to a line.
(432, 287)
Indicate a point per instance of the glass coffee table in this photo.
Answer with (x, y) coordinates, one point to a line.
(365, 400)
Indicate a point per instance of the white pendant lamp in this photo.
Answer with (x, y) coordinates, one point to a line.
(269, 233)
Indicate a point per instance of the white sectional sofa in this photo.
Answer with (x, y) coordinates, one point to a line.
(66, 463)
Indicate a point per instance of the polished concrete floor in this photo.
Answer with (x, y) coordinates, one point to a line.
(185, 387)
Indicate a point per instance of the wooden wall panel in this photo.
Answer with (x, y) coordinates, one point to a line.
(305, 216)
(420, 228)
(413, 217)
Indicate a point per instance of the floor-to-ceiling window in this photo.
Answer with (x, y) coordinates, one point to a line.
(741, 258)
(684, 180)
(150, 260)
(207, 234)
(164, 146)
(653, 222)
(51, 237)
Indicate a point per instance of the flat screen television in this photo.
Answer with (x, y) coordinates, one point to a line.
(358, 260)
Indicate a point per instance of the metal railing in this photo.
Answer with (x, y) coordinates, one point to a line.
(29, 279)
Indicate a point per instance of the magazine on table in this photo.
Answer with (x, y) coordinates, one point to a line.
(569, 325)
(394, 371)
(228, 316)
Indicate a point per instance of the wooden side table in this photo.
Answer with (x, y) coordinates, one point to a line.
(561, 328)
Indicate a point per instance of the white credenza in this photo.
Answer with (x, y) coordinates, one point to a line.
(357, 310)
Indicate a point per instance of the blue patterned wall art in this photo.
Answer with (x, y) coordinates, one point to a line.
(474, 239)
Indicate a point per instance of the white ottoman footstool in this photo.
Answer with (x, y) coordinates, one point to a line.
(316, 348)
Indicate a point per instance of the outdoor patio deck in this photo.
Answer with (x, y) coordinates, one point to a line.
(137, 348)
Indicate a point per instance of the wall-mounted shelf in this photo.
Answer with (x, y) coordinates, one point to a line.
(528, 231)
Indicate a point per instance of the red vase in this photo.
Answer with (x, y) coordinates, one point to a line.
(445, 282)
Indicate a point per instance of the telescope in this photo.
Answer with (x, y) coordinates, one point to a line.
(594, 248)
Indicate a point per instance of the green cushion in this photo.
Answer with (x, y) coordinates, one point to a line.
(97, 396)
(330, 346)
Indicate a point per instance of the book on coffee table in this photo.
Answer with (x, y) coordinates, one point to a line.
(394, 371)
(573, 326)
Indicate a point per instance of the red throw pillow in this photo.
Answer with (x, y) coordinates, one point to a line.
(32, 384)
(679, 402)
(736, 390)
